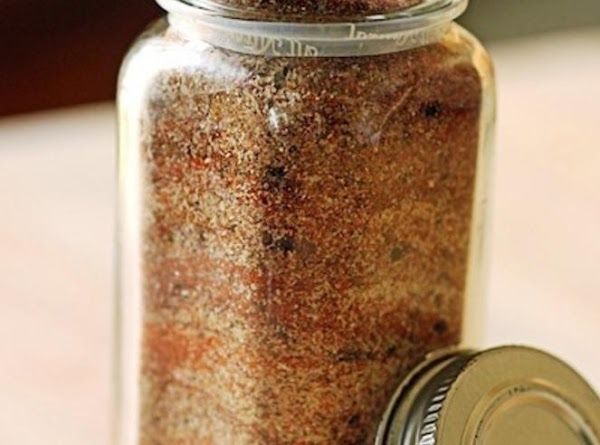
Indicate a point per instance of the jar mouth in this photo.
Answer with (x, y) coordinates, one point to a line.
(369, 35)
(414, 13)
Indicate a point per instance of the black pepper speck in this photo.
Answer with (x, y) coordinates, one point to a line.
(286, 244)
(432, 109)
(440, 327)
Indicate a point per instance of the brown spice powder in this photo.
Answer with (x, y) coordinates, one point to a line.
(317, 10)
(306, 240)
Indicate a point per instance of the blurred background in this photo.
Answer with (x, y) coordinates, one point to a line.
(57, 155)
(74, 47)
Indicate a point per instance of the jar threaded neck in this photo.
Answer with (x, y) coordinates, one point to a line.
(368, 35)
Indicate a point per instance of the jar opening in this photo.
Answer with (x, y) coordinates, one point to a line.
(229, 28)
(319, 11)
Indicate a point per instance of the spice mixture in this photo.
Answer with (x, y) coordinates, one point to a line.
(316, 10)
(306, 236)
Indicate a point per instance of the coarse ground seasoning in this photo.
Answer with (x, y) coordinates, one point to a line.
(315, 10)
(306, 226)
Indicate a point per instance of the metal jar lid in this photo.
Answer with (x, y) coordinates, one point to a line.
(504, 396)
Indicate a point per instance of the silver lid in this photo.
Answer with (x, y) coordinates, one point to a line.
(504, 396)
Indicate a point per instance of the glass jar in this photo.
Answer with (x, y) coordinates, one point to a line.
(302, 197)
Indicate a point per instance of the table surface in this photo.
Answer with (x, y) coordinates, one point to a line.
(56, 237)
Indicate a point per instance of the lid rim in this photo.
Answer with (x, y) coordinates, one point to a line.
(487, 397)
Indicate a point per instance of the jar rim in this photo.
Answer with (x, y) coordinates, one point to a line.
(422, 14)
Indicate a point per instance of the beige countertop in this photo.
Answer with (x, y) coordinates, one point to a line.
(56, 235)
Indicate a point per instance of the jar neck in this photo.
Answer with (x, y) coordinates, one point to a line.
(233, 29)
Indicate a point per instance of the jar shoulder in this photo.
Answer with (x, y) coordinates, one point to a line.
(460, 40)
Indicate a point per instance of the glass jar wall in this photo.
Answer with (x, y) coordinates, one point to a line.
(301, 218)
